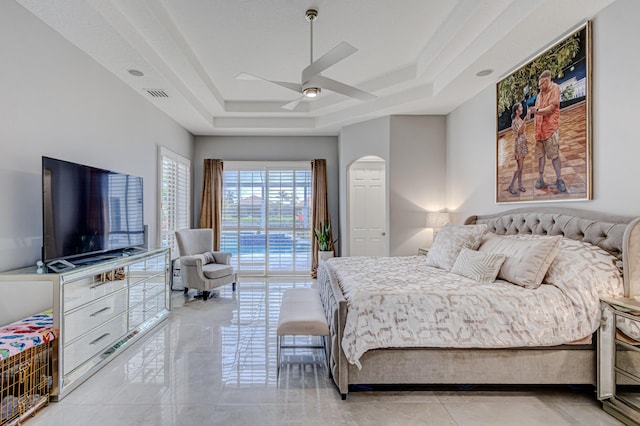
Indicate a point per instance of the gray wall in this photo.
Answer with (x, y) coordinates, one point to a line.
(356, 141)
(269, 148)
(471, 128)
(58, 102)
(416, 179)
(414, 150)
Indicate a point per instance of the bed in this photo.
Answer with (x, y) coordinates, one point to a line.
(461, 360)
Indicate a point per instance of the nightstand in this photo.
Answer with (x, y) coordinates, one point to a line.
(619, 360)
(423, 251)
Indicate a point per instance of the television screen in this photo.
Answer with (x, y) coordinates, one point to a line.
(87, 210)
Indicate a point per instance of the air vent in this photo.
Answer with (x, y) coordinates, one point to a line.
(157, 93)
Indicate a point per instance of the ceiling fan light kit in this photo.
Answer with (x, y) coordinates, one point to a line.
(311, 92)
(312, 80)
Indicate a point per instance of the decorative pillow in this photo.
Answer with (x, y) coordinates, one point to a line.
(450, 240)
(527, 260)
(585, 265)
(208, 257)
(481, 267)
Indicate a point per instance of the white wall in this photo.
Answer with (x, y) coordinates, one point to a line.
(471, 128)
(56, 101)
(413, 148)
(269, 148)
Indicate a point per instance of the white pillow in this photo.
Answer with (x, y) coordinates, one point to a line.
(527, 260)
(585, 265)
(450, 240)
(209, 257)
(479, 266)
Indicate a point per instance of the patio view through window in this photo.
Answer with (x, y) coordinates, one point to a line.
(266, 216)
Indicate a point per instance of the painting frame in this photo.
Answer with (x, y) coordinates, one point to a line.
(544, 110)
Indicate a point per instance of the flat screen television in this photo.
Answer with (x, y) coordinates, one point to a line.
(87, 210)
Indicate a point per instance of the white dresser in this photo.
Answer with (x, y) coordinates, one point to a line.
(99, 308)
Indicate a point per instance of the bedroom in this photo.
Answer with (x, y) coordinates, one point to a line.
(45, 111)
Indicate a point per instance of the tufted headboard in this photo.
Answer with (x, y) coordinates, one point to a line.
(618, 235)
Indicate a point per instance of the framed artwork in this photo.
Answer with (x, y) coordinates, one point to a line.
(543, 147)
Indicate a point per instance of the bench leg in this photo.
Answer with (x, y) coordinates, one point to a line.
(326, 354)
(278, 357)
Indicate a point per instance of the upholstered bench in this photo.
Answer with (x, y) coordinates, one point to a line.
(301, 314)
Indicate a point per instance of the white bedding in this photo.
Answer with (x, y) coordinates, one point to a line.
(402, 302)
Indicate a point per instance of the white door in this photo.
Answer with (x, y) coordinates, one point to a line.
(367, 208)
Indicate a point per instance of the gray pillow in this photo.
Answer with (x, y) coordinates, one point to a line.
(450, 240)
(527, 260)
(479, 266)
(208, 257)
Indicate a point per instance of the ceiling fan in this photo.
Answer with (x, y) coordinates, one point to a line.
(312, 81)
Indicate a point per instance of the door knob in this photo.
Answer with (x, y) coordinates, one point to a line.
(383, 234)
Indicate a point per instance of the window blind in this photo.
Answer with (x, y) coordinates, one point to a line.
(175, 197)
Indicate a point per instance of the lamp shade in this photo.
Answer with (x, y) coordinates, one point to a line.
(437, 220)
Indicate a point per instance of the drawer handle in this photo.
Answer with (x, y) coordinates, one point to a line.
(98, 284)
(99, 338)
(100, 311)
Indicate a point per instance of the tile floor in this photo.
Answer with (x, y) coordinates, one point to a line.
(214, 363)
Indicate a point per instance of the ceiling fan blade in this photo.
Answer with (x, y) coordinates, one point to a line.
(291, 86)
(330, 58)
(336, 86)
(293, 104)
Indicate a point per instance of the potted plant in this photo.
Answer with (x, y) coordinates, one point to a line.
(323, 237)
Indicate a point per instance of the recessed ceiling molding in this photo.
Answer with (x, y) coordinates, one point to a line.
(509, 21)
(164, 18)
(263, 106)
(452, 25)
(263, 123)
(388, 103)
(386, 81)
(131, 33)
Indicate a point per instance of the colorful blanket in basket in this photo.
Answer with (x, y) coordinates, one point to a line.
(29, 332)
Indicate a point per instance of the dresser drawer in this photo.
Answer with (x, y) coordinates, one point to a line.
(84, 319)
(144, 269)
(77, 293)
(95, 342)
(145, 289)
(144, 311)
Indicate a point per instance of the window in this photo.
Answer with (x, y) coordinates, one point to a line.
(175, 197)
(266, 216)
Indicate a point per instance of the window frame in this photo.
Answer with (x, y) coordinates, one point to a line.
(267, 166)
(183, 193)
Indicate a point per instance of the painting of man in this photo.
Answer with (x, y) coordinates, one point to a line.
(547, 123)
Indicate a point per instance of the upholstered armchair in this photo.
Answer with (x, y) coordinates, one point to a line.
(201, 267)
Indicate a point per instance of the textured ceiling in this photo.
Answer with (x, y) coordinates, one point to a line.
(416, 56)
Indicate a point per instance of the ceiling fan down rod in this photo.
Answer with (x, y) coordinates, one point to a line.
(311, 16)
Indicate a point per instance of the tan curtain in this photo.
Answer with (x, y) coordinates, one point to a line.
(320, 207)
(211, 202)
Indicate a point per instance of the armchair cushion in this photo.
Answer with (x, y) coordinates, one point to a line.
(216, 270)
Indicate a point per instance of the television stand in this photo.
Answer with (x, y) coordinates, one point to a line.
(64, 265)
(99, 309)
